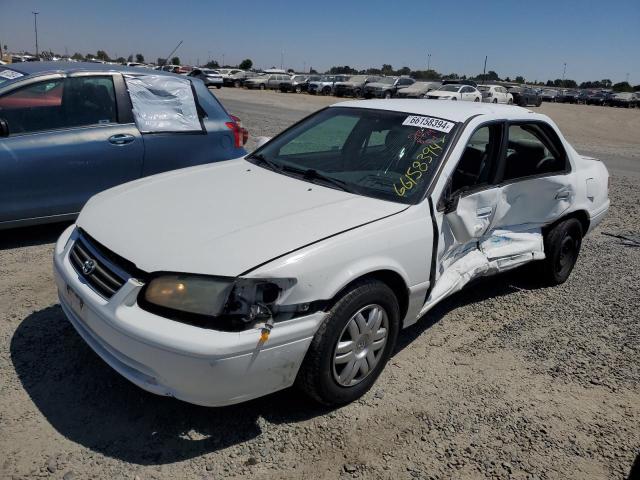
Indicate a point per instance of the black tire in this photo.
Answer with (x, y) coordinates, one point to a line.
(316, 375)
(454, 99)
(387, 94)
(262, 86)
(218, 86)
(237, 84)
(538, 103)
(476, 99)
(510, 101)
(561, 246)
(326, 91)
(298, 89)
(495, 100)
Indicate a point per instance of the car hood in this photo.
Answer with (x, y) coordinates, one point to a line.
(376, 85)
(440, 93)
(221, 219)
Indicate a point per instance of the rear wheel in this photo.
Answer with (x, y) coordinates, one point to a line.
(477, 99)
(387, 94)
(352, 345)
(298, 89)
(561, 247)
(326, 90)
(237, 84)
(495, 100)
(454, 99)
(262, 86)
(510, 101)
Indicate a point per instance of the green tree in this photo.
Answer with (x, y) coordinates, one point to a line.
(245, 64)
(130, 58)
(404, 71)
(161, 61)
(387, 69)
(77, 56)
(312, 71)
(102, 55)
(121, 60)
(622, 87)
(175, 61)
(519, 79)
(139, 58)
(212, 64)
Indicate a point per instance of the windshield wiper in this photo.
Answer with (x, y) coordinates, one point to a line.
(263, 160)
(311, 174)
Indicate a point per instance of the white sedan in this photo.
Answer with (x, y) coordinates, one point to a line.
(456, 91)
(300, 263)
(495, 94)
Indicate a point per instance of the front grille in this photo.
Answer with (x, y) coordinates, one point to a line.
(91, 266)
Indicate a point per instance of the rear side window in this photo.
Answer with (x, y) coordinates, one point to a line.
(163, 104)
(533, 150)
(89, 101)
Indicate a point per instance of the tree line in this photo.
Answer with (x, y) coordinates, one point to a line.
(490, 76)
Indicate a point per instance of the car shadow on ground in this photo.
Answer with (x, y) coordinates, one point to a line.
(31, 236)
(92, 405)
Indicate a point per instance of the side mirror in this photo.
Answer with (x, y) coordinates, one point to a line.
(260, 141)
(4, 128)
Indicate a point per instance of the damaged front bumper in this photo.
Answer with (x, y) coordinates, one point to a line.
(197, 365)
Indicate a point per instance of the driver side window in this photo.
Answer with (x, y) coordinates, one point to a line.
(478, 162)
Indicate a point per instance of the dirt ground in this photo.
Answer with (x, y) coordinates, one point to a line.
(503, 380)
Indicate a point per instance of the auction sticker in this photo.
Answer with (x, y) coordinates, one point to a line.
(10, 74)
(428, 122)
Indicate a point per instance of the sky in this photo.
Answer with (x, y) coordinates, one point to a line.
(596, 40)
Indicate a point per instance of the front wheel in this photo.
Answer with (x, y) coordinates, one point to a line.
(352, 345)
(454, 99)
(495, 100)
(237, 84)
(218, 86)
(387, 94)
(561, 247)
(477, 99)
(510, 101)
(262, 86)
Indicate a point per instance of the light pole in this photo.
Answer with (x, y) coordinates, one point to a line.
(35, 27)
(428, 61)
(282, 60)
(564, 71)
(484, 70)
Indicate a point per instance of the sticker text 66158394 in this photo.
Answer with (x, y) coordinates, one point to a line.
(428, 122)
(422, 163)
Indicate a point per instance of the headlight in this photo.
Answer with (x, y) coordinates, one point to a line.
(189, 293)
(243, 298)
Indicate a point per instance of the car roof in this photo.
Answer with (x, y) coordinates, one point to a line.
(42, 68)
(454, 111)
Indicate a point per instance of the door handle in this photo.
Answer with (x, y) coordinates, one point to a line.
(563, 195)
(484, 212)
(121, 139)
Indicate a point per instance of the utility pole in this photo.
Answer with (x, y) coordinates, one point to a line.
(35, 27)
(564, 71)
(428, 61)
(282, 60)
(166, 62)
(484, 71)
(222, 60)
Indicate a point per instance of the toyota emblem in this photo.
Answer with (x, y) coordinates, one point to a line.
(88, 267)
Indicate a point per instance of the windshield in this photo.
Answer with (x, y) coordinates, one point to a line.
(387, 80)
(358, 78)
(450, 88)
(376, 153)
(484, 88)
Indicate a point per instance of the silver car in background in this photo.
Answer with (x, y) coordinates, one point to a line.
(418, 90)
(211, 78)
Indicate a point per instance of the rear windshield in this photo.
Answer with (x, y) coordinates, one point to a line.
(375, 153)
(450, 88)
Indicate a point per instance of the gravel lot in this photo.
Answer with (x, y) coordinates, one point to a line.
(503, 380)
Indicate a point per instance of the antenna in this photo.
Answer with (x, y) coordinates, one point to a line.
(172, 52)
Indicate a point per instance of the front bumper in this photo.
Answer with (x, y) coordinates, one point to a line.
(197, 365)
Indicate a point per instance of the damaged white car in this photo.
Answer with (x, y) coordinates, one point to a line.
(301, 262)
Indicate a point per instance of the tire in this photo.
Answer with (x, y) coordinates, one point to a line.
(237, 84)
(454, 99)
(476, 99)
(322, 375)
(495, 100)
(387, 94)
(218, 86)
(326, 91)
(510, 101)
(561, 247)
(262, 86)
(298, 89)
(538, 103)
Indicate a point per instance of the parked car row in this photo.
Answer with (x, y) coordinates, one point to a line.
(590, 97)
